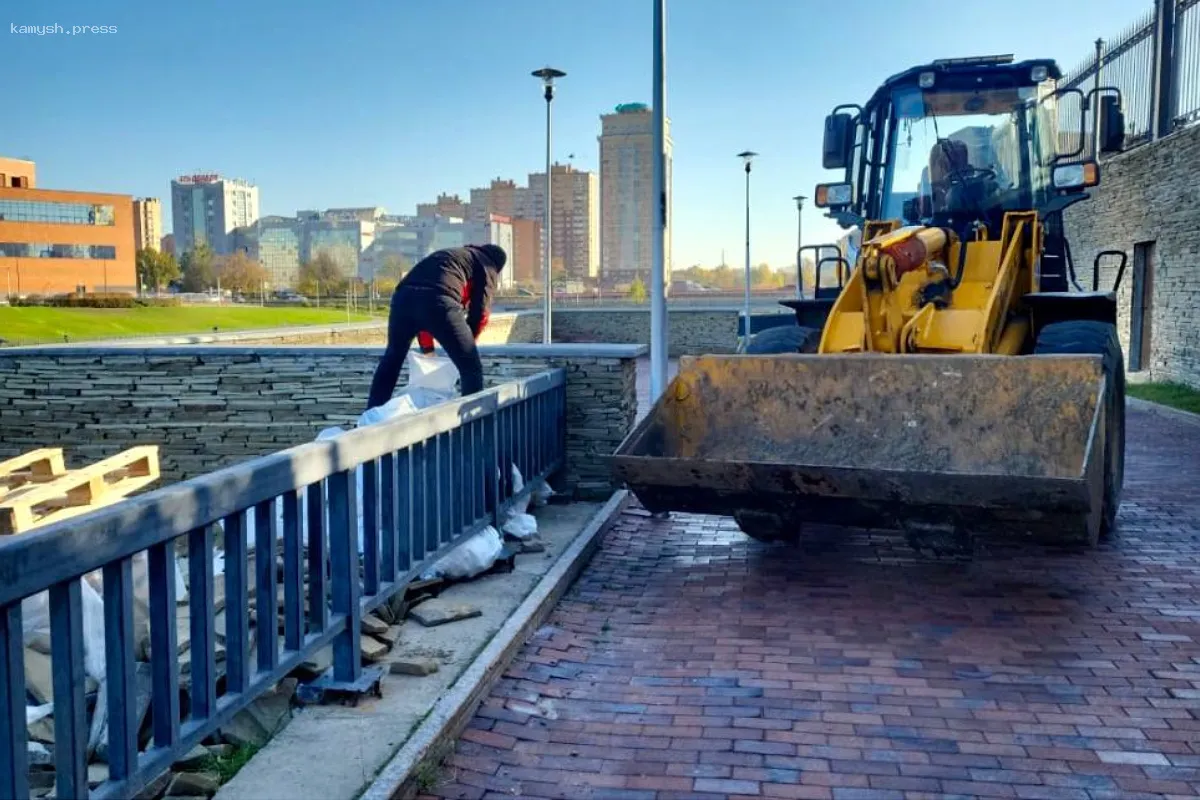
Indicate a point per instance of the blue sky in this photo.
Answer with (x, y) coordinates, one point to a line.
(388, 102)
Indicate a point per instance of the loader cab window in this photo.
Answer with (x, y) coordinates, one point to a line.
(958, 153)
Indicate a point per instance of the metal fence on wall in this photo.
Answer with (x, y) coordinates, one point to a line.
(1155, 63)
(429, 481)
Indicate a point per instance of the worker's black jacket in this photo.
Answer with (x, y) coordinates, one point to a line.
(448, 272)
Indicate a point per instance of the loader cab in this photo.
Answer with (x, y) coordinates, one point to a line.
(959, 142)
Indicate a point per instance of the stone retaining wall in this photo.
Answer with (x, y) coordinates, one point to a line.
(692, 331)
(207, 407)
(1150, 194)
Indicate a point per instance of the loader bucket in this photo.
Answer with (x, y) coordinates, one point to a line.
(985, 444)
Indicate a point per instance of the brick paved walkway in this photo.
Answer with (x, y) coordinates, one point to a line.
(691, 662)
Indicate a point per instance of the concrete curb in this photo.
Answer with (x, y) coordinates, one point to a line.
(1179, 415)
(449, 717)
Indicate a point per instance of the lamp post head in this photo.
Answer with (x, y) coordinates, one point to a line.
(747, 156)
(548, 74)
(800, 200)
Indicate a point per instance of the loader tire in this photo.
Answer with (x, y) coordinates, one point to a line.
(785, 339)
(767, 527)
(1081, 337)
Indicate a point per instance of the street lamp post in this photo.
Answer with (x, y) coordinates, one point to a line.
(548, 74)
(658, 271)
(747, 156)
(800, 247)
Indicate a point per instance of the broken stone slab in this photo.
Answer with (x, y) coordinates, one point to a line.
(39, 755)
(390, 637)
(263, 718)
(39, 679)
(96, 775)
(371, 648)
(373, 625)
(144, 684)
(197, 757)
(41, 779)
(154, 789)
(317, 665)
(42, 731)
(190, 784)
(440, 612)
(414, 665)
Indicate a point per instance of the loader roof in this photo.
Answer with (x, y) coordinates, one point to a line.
(988, 71)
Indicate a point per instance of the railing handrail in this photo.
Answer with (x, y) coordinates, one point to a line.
(33, 562)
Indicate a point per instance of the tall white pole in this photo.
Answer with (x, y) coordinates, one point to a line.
(547, 224)
(547, 75)
(658, 294)
(746, 338)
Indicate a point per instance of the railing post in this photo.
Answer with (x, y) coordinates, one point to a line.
(1096, 100)
(119, 667)
(1162, 105)
(14, 755)
(491, 449)
(70, 711)
(343, 557)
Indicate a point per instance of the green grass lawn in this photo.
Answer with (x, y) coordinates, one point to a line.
(37, 325)
(1168, 394)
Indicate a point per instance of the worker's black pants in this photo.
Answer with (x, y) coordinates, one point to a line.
(418, 309)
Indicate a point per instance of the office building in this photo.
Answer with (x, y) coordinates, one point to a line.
(342, 240)
(206, 208)
(60, 242)
(628, 208)
(447, 205)
(275, 243)
(147, 223)
(364, 214)
(525, 258)
(575, 219)
(502, 197)
(16, 173)
(167, 244)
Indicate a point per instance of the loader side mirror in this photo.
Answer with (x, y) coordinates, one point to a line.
(838, 142)
(1112, 125)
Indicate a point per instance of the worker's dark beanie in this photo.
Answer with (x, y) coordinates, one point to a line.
(495, 254)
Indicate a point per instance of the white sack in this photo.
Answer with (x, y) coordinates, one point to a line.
(470, 558)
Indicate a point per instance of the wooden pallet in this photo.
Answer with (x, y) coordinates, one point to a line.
(36, 466)
(45, 497)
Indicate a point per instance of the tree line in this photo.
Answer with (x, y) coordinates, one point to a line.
(200, 270)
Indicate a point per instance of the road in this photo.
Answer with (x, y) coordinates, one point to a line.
(691, 662)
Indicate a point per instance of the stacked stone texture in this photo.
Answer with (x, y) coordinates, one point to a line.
(211, 407)
(692, 331)
(1150, 194)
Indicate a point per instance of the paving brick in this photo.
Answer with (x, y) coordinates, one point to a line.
(1035, 673)
(726, 786)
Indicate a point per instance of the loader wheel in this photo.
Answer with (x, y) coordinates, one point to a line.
(763, 526)
(1087, 337)
(785, 339)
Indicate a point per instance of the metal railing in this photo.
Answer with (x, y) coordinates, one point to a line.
(1155, 63)
(429, 481)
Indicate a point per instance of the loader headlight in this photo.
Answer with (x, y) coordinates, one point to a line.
(925, 80)
(1068, 177)
(832, 195)
(1039, 74)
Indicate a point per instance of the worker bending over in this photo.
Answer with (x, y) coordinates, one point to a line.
(432, 298)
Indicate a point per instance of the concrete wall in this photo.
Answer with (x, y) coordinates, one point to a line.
(693, 331)
(207, 407)
(1150, 194)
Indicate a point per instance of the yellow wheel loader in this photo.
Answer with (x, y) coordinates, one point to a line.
(960, 381)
